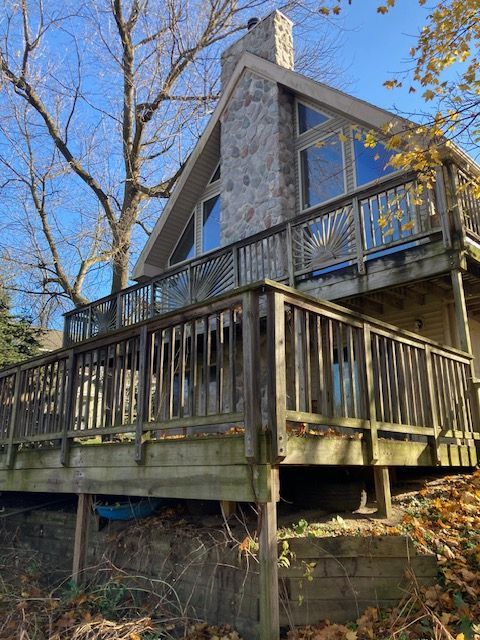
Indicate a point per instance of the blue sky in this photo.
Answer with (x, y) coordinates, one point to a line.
(376, 46)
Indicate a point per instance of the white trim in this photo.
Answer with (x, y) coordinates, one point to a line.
(325, 136)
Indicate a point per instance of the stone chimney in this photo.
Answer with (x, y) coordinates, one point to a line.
(257, 136)
(270, 38)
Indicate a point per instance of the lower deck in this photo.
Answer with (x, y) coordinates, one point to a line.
(207, 401)
(209, 467)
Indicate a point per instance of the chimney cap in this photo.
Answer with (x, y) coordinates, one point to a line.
(252, 22)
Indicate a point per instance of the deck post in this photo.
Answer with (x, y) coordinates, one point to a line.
(370, 395)
(277, 383)
(382, 491)
(251, 378)
(463, 331)
(142, 392)
(433, 440)
(84, 509)
(268, 557)
(11, 447)
(69, 409)
(461, 315)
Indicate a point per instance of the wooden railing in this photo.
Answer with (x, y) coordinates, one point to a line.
(468, 203)
(252, 360)
(351, 231)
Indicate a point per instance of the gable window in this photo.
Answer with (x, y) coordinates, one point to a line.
(185, 249)
(202, 233)
(322, 171)
(211, 224)
(308, 117)
(371, 163)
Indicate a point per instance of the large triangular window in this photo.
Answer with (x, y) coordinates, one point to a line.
(185, 249)
(202, 233)
(308, 117)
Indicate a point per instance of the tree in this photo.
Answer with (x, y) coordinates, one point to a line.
(445, 67)
(18, 339)
(100, 104)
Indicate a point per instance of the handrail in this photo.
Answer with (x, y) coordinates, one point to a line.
(202, 368)
(345, 231)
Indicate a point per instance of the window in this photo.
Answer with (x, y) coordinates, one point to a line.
(371, 163)
(216, 175)
(211, 224)
(202, 232)
(185, 249)
(309, 117)
(321, 166)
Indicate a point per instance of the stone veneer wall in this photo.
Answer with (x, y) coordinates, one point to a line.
(258, 159)
(257, 137)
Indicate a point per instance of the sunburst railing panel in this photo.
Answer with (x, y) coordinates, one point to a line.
(323, 241)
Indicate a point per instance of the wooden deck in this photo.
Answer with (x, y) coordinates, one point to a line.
(346, 242)
(204, 402)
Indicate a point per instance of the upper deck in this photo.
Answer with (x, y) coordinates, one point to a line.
(377, 237)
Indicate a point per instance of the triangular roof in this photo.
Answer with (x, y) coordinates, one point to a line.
(205, 155)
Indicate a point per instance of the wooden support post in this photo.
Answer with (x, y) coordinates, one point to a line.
(11, 448)
(461, 316)
(370, 395)
(228, 508)
(251, 377)
(142, 395)
(68, 416)
(442, 207)
(277, 383)
(433, 440)
(268, 557)
(358, 236)
(382, 491)
(82, 524)
(465, 342)
(290, 263)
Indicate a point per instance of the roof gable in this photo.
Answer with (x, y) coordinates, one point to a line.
(205, 155)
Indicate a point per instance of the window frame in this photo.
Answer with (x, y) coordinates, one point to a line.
(212, 190)
(311, 143)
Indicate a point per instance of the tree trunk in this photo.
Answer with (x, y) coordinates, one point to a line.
(120, 269)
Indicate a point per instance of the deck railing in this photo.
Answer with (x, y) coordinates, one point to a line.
(255, 360)
(468, 202)
(351, 231)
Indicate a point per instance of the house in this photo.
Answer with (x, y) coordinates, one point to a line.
(295, 286)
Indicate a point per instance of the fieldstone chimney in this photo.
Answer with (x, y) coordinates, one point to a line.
(270, 38)
(257, 136)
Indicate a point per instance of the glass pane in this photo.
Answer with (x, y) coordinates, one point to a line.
(216, 175)
(185, 249)
(309, 118)
(322, 171)
(371, 164)
(211, 224)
